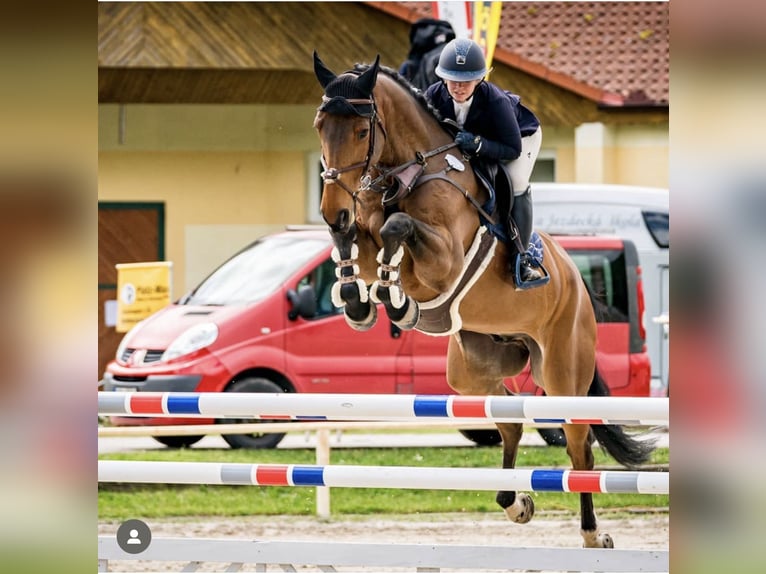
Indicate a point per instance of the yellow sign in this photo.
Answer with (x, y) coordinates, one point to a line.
(142, 289)
(486, 26)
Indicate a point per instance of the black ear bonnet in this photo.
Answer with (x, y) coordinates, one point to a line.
(340, 91)
(347, 94)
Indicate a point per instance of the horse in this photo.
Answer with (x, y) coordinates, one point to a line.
(409, 224)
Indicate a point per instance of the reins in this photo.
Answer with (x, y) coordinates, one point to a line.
(420, 159)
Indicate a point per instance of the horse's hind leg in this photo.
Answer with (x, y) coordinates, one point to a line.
(476, 365)
(518, 506)
(581, 454)
(566, 378)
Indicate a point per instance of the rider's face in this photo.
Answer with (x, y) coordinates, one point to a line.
(461, 91)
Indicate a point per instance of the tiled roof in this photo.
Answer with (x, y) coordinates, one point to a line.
(614, 53)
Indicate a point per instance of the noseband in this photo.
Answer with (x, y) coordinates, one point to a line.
(332, 174)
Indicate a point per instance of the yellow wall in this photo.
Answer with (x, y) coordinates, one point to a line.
(227, 174)
(642, 156)
(204, 193)
(630, 155)
(559, 144)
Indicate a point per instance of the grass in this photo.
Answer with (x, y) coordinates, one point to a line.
(122, 501)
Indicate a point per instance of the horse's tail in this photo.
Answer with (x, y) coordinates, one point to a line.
(621, 446)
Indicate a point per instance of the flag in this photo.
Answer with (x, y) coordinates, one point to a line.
(458, 14)
(486, 26)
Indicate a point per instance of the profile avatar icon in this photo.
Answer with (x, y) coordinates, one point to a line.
(134, 536)
(134, 539)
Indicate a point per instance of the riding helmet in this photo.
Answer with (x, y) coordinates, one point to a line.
(462, 60)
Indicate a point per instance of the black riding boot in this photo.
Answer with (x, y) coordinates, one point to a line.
(521, 212)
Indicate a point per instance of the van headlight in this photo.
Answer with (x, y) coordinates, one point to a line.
(193, 339)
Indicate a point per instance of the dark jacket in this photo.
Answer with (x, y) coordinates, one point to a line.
(495, 115)
(427, 38)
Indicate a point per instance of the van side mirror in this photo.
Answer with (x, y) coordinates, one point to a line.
(303, 301)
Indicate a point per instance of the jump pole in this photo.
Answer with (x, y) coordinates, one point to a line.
(629, 411)
(400, 477)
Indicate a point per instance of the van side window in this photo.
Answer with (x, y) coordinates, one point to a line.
(604, 272)
(322, 279)
(658, 225)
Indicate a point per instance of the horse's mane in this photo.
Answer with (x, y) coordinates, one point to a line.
(404, 83)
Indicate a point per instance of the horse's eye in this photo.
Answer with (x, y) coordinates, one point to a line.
(362, 134)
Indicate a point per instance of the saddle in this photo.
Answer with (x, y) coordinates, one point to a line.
(488, 175)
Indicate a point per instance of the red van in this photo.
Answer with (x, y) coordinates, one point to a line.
(264, 322)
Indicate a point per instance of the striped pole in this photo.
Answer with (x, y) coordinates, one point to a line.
(430, 478)
(289, 406)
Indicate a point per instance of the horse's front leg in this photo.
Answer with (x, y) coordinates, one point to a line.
(434, 259)
(402, 309)
(350, 291)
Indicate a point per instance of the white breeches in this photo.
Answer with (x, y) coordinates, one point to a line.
(520, 169)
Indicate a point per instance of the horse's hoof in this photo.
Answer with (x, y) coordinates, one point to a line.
(522, 509)
(411, 316)
(595, 539)
(365, 324)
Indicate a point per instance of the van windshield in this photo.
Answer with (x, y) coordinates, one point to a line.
(256, 271)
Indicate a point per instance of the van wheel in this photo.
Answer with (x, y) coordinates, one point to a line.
(178, 441)
(554, 437)
(253, 440)
(483, 437)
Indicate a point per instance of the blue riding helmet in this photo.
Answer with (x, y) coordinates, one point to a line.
(462, 60)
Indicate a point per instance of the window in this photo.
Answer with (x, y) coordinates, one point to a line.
(658, 225)
(322, 279)
(544, 170)
(255, 272)
(606, 276)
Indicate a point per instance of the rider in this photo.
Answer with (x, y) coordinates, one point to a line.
(494, 128)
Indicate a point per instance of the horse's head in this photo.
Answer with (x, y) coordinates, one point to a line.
(346, 123)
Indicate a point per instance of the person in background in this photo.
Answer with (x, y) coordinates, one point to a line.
(494, 128)
(427, 38)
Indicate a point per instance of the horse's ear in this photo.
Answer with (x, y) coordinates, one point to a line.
(323, 74)
(366, 82)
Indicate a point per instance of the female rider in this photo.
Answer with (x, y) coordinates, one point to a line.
(494, 128)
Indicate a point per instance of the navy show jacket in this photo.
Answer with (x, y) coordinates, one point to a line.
(495, 115)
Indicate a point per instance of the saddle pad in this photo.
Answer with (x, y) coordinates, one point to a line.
(535, 249)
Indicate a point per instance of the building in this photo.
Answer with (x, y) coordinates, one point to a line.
(206, 112)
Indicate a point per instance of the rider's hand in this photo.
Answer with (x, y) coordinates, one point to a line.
(468, 143)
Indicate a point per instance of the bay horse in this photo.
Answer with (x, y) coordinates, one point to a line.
(405, 217)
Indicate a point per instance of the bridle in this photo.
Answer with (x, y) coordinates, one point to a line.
(331, 175)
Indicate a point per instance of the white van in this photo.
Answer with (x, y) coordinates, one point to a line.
(640, 214)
